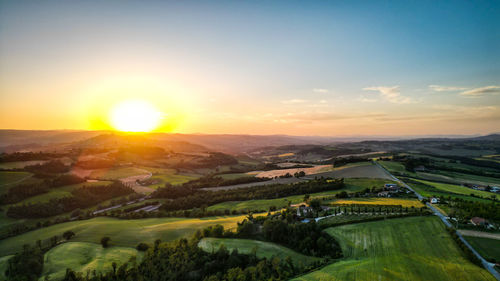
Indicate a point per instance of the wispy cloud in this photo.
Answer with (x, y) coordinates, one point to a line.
(391, 94)
(477, 92)
(367, 100)
(294, 101)
(438, 88)
(320, 90)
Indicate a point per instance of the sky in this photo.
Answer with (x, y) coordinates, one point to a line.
(324, 68)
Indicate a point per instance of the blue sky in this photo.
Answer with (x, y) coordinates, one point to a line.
(261, 67)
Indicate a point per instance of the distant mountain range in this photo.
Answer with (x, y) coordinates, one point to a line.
(37, 140)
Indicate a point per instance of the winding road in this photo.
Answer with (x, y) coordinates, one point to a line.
(489, 266)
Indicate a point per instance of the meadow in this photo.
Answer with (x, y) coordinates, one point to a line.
(263, 249)
(430, 191)
(488, 248)
(84, 257)
(20, 164)
(117, 173)
(416, 248)
(7, 179)
(123, 233)
(459, 189)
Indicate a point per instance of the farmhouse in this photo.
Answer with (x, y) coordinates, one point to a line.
(420, 169)
(384, 194)
(434, 200)
(302, 210)
(478, 221)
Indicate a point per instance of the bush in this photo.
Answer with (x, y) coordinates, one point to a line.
(142, 247)
(105, 241)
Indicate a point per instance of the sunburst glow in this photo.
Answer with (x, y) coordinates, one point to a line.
(135, 116)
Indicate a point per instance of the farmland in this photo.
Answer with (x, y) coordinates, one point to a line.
(117, 173)
(459, 189)
(351, 185)
(84, 257)
(125, 233)
(379, 201)
(7, 179)
(263, 249)
(416, 248)
(488, 248)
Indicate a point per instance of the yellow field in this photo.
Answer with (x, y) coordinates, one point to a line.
(379, 201)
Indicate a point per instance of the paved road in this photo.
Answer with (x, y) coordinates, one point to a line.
(489, 266)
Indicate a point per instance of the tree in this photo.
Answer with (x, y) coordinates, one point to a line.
(105, 241)
(68, 234)
(315, 204)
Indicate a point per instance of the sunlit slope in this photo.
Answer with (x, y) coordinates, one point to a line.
(124, 233)
(84, 257)
(263, 249)
(415, 248)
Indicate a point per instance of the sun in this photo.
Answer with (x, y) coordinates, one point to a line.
(135, 116)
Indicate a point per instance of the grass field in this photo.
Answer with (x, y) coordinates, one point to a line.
(60, 192)
(117, 173)
(428, 191)
(7, 179)
(264, 249)
(379, 201)
(488, 248)
(416, 248)
(235, 176)
(173, 179)
(83, 257)
(124, 233)
(459, 189)
(352, 185)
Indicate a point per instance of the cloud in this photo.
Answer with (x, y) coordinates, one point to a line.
(477, 92)
(438, 88)
(319, 90)
(391, 94)
(365, 99)
(293, 101)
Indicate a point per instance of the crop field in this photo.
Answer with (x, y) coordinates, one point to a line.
(416, 248)
(7, 179)
(459, 189)
(60, 192)
(488, 248)
(394, 167)
(379, 201)
(173, 179)
(83, 257)
(117, 173)
(264, 249)
(357, 170)
(348, 218)
(235, 176)
(282, 172)
(352, 185)
(124, 233)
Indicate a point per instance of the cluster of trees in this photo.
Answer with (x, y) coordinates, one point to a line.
(214, 181)
(23, 191)
(48, 169)
(27, 156)
(283, 228)
(26, 265)
(215, 159)
(186, 198)
(184, 260)
(341, 161)
(465, 209)
(82, 197)
(468, 253)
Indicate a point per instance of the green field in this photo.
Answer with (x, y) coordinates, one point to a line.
(352, 185)
(416, 248)
(60, 192)
(264, 249)
(379, 201)
(124, 233)
(428, 191)
(7, 179)
(235, 176)
(459, 189)
(488, 248)
(83, 257)
(3, 266)
(117, 173)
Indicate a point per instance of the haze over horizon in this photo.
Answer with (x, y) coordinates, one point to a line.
(262, 68)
